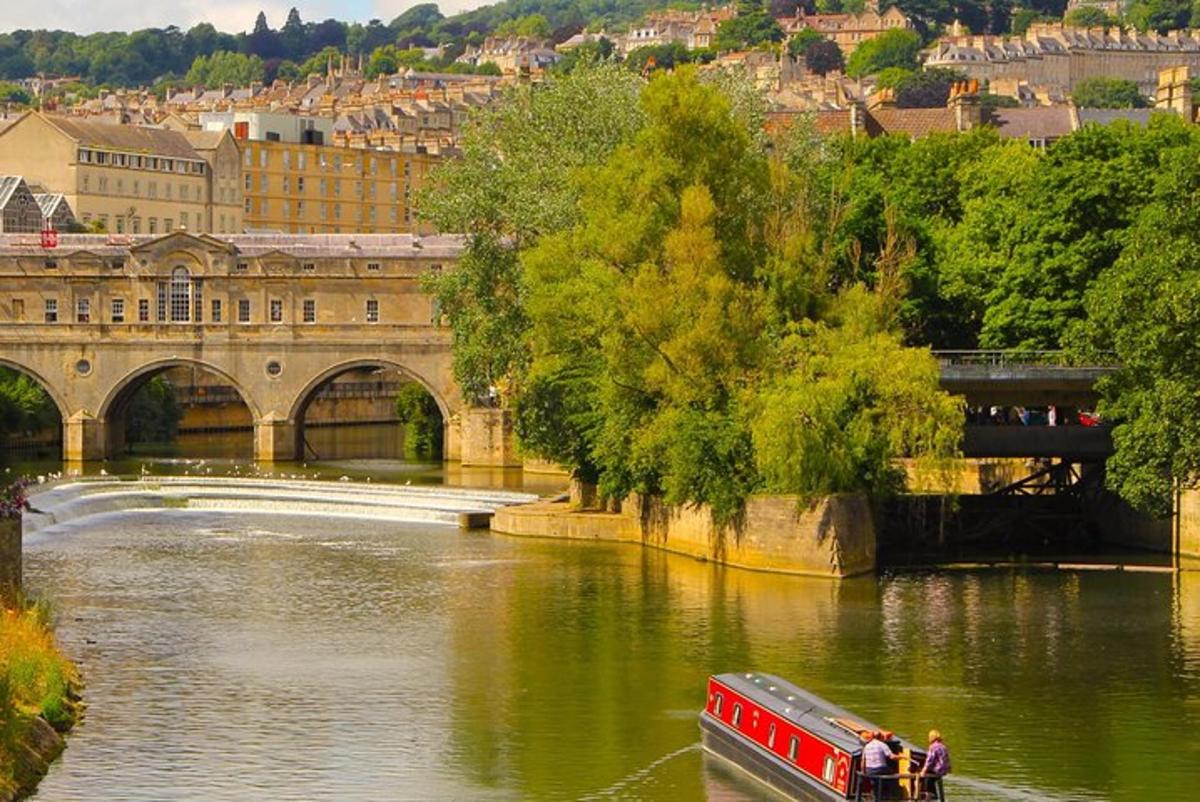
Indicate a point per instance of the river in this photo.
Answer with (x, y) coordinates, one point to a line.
(280, 657)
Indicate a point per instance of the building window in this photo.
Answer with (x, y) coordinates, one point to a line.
(276, 310)
(248, 181)
(246, 206)
(183, 219)
(118, 310)
(241, 267)
(287, 185)
(373, 266)
(300, 184)
(18, 308)
(168, 224)
(83, 310)
(243, 310)
(262, 158)
(181, 295)
(216, 310)
(262, 183)
(153, 223)
(51, 264)
(51, 310)
(310, 310)
(372, 311)
(309, 267)
(135, 225)
(143, 310)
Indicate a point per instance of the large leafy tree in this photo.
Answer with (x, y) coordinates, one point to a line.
(1108, 93)
(512, 185)
(1146, 310)
(894, 48)
(752, 27)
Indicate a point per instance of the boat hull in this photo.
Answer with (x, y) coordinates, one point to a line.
(763, 766)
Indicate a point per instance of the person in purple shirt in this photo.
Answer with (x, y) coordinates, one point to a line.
(937, 761)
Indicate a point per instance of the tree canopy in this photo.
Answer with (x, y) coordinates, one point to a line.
(894, 48)
(1108, 93)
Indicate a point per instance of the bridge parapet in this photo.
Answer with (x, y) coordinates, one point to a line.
(1021, 378)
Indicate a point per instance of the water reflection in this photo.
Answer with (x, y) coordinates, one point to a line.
(275, 657)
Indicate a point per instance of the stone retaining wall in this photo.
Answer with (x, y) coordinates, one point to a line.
(834, 537)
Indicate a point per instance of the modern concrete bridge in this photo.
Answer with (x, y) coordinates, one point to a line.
(1027, 379)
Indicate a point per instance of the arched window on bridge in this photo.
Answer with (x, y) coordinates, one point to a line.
(181, 295)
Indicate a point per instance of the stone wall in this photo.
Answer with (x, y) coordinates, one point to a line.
(10, 560)
(834, 537)
(487, 438)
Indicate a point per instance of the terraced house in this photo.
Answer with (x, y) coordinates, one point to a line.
(129, 179)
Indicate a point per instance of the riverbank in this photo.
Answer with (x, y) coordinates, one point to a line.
(39, 700)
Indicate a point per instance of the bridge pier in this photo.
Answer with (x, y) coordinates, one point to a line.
(275, 440)
(84, 438)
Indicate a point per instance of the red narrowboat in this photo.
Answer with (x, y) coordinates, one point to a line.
(800, 744)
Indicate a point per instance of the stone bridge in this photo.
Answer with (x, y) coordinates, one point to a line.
(276, 317)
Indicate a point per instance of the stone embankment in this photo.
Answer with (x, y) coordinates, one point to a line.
(832, 537)
(36, 746)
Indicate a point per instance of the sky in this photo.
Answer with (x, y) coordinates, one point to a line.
(231, 16)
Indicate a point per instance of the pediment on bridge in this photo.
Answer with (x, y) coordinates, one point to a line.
(183, 241)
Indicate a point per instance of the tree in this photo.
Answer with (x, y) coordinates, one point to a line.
(262, 41)
(11, 93)
(801, 40)
(752, 27)
(1108, 93)
(511, 185)
(534, 26)
(823, 56)
(292, 36)
(894, 48)
(383, 61)
(1089, 17)
(926, 89)
(225, 68)
(1144, 310)
(1160, 15)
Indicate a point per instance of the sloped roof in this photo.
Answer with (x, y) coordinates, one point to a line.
(49, 202)
(910, 122)
(139, 139)
(1045, 122)
(1106, 116)
(8, 185)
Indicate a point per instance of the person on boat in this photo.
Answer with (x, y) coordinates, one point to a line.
(937, 762)
(877, 759)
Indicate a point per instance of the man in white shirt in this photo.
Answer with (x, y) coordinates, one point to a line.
(877, 758)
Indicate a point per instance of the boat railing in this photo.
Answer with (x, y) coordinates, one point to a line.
(920, 788)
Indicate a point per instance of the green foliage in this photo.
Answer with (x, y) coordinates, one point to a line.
(152, 415)
(926, 89)
(823, 56)
(422, 419)
(588, 53)
(666, 56)
(800, 42)
(1089, 17)
(512, 185)
(894, 48)
(24, 404)
(224, 67)
(11, 93)
(752, 27)
(1146, 310)
(532, 25)
(1108, 93)
(1160, 15)
(1024, 17)
(666, 325)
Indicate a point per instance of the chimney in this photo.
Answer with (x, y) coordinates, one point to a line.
(1174, 92)
(964, 100)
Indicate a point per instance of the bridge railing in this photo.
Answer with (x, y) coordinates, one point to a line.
(1022, 358)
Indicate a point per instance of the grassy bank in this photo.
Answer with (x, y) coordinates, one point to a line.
(37, 698)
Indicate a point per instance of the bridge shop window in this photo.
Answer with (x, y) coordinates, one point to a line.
(83, 310)
(118, 310)
(373, 266)
(51, 310)
(243, 310)
(308, 267)
(241, 267)
(216, 310)
(372, 311)
(276, 310)
(310, 310)
(181, 295)
(143, 310)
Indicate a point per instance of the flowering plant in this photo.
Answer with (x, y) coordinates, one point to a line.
(13, 499)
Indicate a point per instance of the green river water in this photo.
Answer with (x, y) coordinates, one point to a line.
(281, 657)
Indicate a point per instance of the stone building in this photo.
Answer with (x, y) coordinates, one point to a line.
(848, 31)
(293, 183)
(130, 179)
(19, 209)
(1056, 55)
(512, 54)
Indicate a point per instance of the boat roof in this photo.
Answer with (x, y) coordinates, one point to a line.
(818, 716)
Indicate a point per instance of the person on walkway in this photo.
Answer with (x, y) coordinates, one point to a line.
(877, 758)
(937, 763)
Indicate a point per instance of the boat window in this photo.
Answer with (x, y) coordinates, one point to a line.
(793, 748)
(771, 737)
(737, 715)
(717, 705)
(827, 771)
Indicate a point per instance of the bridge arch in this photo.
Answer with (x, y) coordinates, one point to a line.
(111, 410)
(310, 389)
(54, 392)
